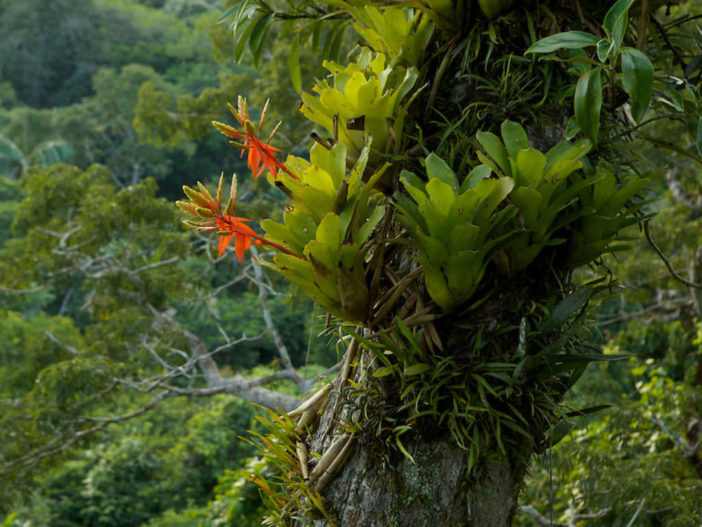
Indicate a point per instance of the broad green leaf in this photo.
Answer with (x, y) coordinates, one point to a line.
(530, 168)
(604, 46)
(441, 195)
(528, 200)
(366, 229)
(436, 220)
(481, 172)
(437, 287)
(328, 231)
(637, 79)
(463, 236)
(588, 102)
(567, 40)
(438, 168)
(515, 137)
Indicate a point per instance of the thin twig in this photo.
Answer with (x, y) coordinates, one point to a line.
(663, 257)
(643, 26)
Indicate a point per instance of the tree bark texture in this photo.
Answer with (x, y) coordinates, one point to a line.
(381, 487)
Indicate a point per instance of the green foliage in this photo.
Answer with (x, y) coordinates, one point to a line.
(630, 454)
(455, 228)
(94, 244)
(172, 460)
(332, 218)
(636, 68)
(367, 99)
(459, 227)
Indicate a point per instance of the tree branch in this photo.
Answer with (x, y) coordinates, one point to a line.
(665, 260)
(691, 201)
(272, 329)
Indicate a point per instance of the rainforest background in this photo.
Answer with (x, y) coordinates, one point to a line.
(105, 111)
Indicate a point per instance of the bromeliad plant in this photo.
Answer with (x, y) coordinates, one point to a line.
(453, 283)
(333, 214)
(367, 99)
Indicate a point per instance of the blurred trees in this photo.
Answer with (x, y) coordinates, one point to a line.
(98, 282)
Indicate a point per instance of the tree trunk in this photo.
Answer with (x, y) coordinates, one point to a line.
(380, 486)
(433, 491)
(377, 485)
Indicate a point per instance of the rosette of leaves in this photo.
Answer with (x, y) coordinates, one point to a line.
(330, 222)
(542, 189)
(454, 227)
(395, 32)
(366, 98)
(398, 32)
(607, 210)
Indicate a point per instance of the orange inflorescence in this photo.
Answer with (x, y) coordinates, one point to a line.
(261, 154)
(204, 206)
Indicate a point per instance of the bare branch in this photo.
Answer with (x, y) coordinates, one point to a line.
(685, 449)
(155, 265)
(662, 256)
(20, 291)
(55, 340)
(691, 201)
(638, 511)
(277, 339)
(56, 445)
(237, 385)
(538, 517)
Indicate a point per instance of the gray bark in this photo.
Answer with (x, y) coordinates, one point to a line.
(434, 491)
(380, 487)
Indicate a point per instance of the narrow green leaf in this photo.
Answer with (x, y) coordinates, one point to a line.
(568, 308)
(588, 102)
(229, 12)
(699, 135)
(384, 372)
(241, 42)
(416, 369)
(559, 431)
(258, 35)
(588, 410)
(567, 40)
(294, 65)
(404, 450)
(637, 79)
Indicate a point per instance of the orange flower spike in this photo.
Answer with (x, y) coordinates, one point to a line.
(261, 155)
